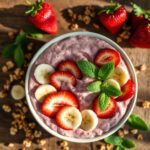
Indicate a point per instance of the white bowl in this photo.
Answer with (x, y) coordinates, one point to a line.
(130, 106)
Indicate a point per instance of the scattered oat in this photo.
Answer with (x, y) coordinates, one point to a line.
(118, 39)
(4, 69)
(139, 137)
(142, 67)
(64, 143)
(27, 143)
(6, 87)
(146, 104)
(10, 64)
(134, 131)
(121, 133)
(125, 131)
(42, 142)
(96, 26)
(37, 133)
(6, 108)
(11, 35)
(11, 145)
(13, 131)
(74, 26)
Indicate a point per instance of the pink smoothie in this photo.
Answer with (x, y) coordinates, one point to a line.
(76, 48)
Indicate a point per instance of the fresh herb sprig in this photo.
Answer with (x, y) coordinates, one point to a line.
(100, 84)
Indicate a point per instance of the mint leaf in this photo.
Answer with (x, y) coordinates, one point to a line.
(20, 39)
(87, 68)
(103, 101)
(112, 139)
(110, 90)
(105, 71)
(19, 56)
(120, 148)
(138, 11)
(33, 32)
(94, 86)
(136, 122)
(8, 51)
(128, 143)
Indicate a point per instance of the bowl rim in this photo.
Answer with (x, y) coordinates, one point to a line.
(128, 63)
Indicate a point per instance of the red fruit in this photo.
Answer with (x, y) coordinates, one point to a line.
(54, 101)
(127, 90)
(113, 17)
(71, 67)
(58, 77)
(42, 16)
(110, 110)
(107, 55)
(141, 37)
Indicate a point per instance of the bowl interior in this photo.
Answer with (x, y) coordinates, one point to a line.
(128, 63)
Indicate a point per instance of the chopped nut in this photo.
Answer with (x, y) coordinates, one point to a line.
(142, 67)
(11, 145)
(70, 12)
(6, 87)
(11, 79)
(134, 131)
(118, 39)
(10, 64)
(42, 142)
(86, 19)
(121, 133)
(64, 143)
(96, 26)
(2, 94)
(32, 125)
(30, 46)
(11, 35)
(27, 143)
(125, 131)
(146, 104)
(139, 137)
(102, 147)
(37, 133)
(6, 108)
(74, 26)
(4, 69)
(17, 71)
(13, 131)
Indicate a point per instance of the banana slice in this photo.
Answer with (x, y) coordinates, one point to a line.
(42, 73)
(17, 92)
(43, 90)
(69, 118)
(120, 75)
(89, 120)
(113, 83)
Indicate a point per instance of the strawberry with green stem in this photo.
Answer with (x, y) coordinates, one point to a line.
(113, 17)
(42, 16)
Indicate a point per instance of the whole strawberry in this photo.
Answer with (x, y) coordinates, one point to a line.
(113, 17)
(42, 16)
(141, 37)
(138, 16)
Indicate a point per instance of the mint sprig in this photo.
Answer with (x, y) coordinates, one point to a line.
(137, 122)
(103, 101)
(105, 71)
(87, 68)
(94, 86)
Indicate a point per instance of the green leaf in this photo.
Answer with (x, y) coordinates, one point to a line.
(136, 122)
(128, 143)
(94, 86)
(103, 101)
(21, 38)
(33, 32)
(138, 11)
(8, 51)
(112, 139)
(105, 71)
(19, 56)
(120, 148)
(87, 68)
(110, 90)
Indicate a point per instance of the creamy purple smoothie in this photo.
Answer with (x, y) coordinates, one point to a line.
(76, 48)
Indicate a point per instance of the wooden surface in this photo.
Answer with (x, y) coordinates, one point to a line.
(12, 18)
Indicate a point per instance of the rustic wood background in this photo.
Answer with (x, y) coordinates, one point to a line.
(12, 18)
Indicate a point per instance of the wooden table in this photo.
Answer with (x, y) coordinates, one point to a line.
(12, 17)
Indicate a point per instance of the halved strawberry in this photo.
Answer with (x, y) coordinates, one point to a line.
(68, 118)
(71, 67)
(110, 110)
(107, 55)
(54, 101)
(127, 90)
(58, 77)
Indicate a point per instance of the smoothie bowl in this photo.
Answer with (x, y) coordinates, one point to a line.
(81, 87)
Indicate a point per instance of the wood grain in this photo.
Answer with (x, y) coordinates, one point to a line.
(12, 18)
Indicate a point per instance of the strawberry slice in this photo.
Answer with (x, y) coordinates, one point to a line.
(58, 77)
(54, 101)
(127, 91)
(107, 55)
(71, 67)
(110, 110)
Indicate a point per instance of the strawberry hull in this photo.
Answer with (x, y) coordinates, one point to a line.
(76, 48)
